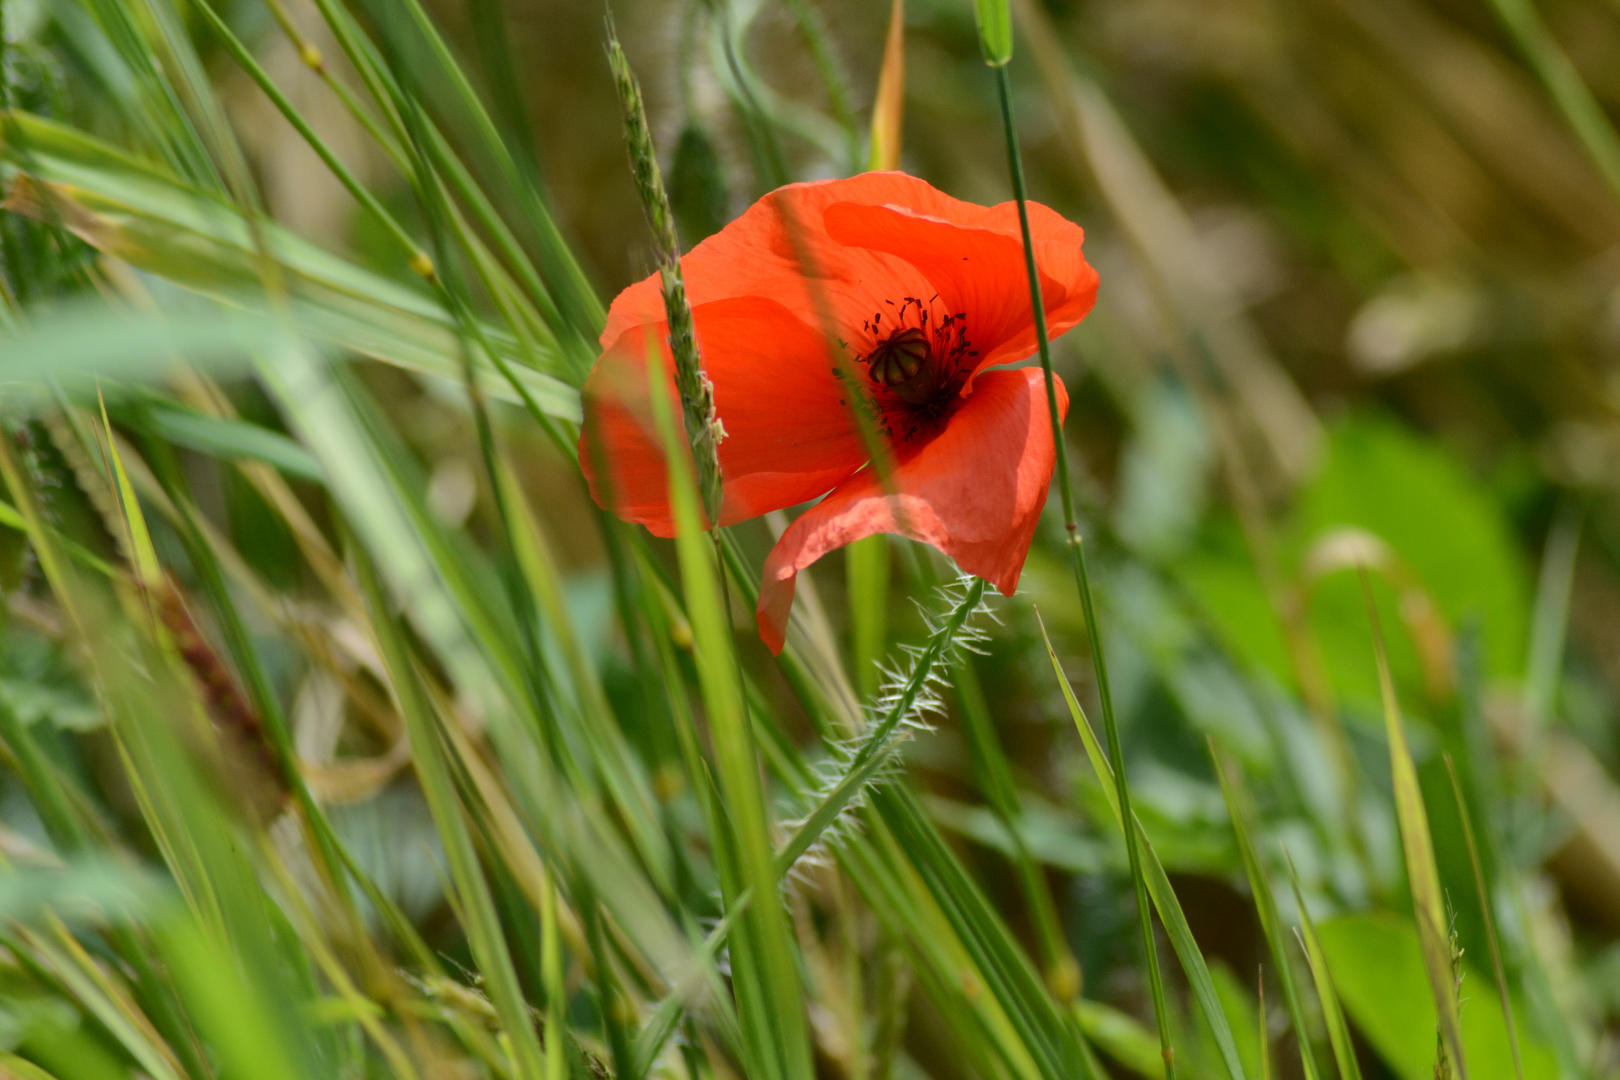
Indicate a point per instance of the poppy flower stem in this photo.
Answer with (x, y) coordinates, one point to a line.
(1082, 575)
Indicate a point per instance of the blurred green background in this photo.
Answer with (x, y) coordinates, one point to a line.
(1360, 304)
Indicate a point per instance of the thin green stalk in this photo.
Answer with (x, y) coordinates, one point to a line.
(1417, 849)
(1490, 918)
(418, 259)
(1564, 84)
(813, 29)
(996, 782)
(1082, 574)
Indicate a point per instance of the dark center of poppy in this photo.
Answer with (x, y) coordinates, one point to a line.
(916, 364)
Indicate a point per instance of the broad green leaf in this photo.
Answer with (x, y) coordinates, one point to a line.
(1377, 967)
(1421, 501)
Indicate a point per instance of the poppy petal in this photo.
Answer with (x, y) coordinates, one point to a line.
(975, 492)
(769, 250)
(789, 435)
(975, 262)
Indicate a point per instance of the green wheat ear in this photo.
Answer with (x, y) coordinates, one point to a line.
(702, 423)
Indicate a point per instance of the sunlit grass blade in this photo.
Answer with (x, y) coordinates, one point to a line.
(1489, 916)
(1417, 847)
(1239, 807)
(1344, 1051)
(1157, 884)
(765, 973)
(228, 1008)
(477, 907)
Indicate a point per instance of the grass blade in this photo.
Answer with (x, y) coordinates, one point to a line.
(769, 995)
(1157, 884)
(1240, 808)
(1485, 908)
(1344, 1051)
(1417, 847)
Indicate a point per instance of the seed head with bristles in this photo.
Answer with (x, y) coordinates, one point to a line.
(702, 422)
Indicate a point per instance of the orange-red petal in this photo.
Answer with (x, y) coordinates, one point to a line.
(975, 492)
(789, 435)
(782, 238)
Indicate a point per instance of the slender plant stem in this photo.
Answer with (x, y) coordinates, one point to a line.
(1082, 575)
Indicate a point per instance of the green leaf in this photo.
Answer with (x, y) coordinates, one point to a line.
(1420, 500)
(1377, 966)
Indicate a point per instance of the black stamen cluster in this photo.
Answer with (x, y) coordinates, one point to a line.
(915, 370)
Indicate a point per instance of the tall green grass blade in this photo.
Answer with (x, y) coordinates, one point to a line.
(1417, 847)
(476, 904)
(764, 969)
(1564, 84)
(1240, 807)
(866, 570)
(425, 69)
(1485, 907)
(1344, 1051)
(1157, 884)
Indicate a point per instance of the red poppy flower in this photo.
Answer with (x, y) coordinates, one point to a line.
(924, 292)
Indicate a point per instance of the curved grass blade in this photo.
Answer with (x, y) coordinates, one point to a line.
(1344, 1051)
(1241, 809)
(1417, 847)
(1158, 885)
